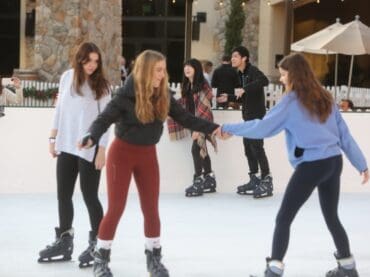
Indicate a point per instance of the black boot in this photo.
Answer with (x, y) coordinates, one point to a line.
(248, 188)
(60, 250)
(341, 271)
(196, 189)
(87, 256)
(101, 260)
(154, 265)
(209, 183)
(274, 268)
(264, 188)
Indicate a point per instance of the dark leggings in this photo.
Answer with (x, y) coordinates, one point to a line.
(256, 156)
(200, 165)
(125, 160)
(325, 175)
(68, 167)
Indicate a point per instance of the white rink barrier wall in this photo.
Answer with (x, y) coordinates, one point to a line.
(26, 166)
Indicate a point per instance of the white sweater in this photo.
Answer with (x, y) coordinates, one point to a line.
(74, 115)
(9, 97)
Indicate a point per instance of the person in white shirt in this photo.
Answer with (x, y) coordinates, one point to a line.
(7, 96)
(83, 93)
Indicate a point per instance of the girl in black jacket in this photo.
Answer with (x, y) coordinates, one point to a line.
(139, 110)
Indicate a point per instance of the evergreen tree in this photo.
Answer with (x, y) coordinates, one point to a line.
(234, 26)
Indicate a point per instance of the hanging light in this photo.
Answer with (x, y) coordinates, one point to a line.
(318, 1)
(221, 3)
(195, 2)
(243, 3)
(269, 2)
(173, 1)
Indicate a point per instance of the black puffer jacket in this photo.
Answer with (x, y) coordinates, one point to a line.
(121, 110)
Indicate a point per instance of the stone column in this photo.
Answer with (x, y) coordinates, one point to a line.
(22, 39)
(62, 25)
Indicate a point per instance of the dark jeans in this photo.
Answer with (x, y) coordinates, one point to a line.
(68, 167)
(256, 156)
(325, 175)
(200, 164)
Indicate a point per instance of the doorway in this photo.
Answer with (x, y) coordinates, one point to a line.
(9, 36)
(157, 25)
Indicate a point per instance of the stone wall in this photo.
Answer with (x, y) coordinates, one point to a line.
(250, 31)
(62, 25)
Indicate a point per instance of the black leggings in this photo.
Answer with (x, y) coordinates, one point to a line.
(200, 165)
(256, 156)
(68, 167)
(325, 175)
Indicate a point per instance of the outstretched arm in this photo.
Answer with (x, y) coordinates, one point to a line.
(188, 120)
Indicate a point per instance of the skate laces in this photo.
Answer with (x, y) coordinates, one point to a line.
(101, 265)
(55, 243)
(198, 182)
(157, 265)
(89, 250)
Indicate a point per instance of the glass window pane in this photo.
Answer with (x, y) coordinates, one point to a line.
(176, 8)
(144, 29)
(175, 29)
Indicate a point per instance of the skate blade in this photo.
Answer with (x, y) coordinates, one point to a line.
(193, 194)
(85, 265)
(54, 259)
(262, 195)
(244, 192)
(209, 190)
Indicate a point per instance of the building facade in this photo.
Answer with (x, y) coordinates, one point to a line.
(45, 34)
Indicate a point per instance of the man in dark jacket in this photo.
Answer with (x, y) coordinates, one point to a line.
(251, 94)
(225, 79)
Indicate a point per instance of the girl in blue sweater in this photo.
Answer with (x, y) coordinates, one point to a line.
(315, 136)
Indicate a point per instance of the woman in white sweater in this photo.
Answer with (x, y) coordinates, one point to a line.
(7, 96)
(83, 93)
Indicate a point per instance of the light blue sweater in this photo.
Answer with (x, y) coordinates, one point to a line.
(319, 140)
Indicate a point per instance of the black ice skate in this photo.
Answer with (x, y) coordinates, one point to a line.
(60, 250)
(196, 189)
(209, 183)
(341, 271)
(154, 265)
(264, 188)
(87, 256)
(101, 260)
(248, 188)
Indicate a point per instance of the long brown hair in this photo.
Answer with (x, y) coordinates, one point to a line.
(151, 103)
(317, 100)
(97, 81)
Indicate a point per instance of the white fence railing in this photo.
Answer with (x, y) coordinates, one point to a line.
(359, 96)
(273, 92)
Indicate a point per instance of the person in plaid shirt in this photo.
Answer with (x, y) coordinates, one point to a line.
(197, 98)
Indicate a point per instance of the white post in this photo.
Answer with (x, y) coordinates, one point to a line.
(350, 76)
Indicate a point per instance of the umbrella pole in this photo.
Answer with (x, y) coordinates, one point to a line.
(350, 76)
(336, 77)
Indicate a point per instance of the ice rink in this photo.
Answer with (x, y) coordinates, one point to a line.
(218, 235)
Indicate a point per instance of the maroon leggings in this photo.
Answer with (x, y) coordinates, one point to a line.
(125, 160)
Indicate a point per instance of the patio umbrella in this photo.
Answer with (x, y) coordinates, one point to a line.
(314, 44)
(352, 39)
